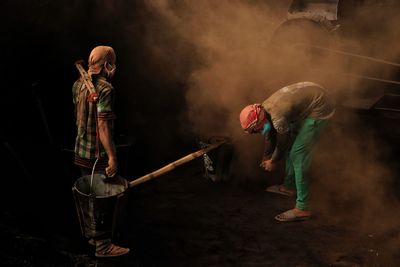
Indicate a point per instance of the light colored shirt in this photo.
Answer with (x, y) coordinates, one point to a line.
(296, 102)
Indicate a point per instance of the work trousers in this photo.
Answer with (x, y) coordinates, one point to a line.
(298, 160)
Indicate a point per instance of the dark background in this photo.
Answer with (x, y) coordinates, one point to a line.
(40, 41)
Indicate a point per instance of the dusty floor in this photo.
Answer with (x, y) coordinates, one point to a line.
(183, 219)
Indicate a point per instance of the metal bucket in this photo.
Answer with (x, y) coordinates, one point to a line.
(217, 163)
(97, 203)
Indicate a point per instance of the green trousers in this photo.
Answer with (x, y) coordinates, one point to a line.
(304, 135)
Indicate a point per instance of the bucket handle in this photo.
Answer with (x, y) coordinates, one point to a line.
(91, 177)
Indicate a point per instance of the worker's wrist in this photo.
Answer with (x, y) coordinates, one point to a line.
(112, 158)
(274, 160)
(266, 158)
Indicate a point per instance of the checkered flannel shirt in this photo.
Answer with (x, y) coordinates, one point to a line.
(86, 139)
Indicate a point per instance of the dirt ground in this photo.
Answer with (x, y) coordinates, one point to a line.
(233, 225)
(183, 219)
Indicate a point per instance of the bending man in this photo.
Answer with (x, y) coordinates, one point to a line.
(291, 120)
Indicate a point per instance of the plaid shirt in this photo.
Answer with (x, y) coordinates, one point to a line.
(86, 140)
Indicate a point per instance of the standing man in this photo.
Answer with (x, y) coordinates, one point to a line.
(291, 120)
(94, 143)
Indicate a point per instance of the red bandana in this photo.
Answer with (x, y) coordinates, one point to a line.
(252, 118)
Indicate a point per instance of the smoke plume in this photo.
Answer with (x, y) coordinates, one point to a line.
(242, 51)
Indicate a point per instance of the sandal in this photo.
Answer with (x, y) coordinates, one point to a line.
(112, 251)
(290, 216)
(278, 189)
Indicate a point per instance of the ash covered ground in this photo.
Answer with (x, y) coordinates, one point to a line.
(184, 219)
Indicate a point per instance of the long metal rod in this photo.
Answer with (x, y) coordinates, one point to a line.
(18, 160)
(387, 109)
(367, 77)
(174, 164)
(42, 113)
(351, 54)
(356, 76)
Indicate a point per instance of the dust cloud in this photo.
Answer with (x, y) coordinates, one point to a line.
(225, 54)
(355, 183)
(230, 40)
(245, 50)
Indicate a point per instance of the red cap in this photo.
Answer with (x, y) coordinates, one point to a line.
(252, 118)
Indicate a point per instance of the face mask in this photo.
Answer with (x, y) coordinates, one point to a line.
(110, 69)
(266, 128)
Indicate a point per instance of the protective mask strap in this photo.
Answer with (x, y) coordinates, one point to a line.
(110, 69)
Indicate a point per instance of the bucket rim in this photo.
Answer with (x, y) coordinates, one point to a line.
(92, 195)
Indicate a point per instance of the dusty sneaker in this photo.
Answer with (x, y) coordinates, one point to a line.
(110, 251)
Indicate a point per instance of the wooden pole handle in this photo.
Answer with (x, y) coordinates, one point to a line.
(174, 164)
(85, 76)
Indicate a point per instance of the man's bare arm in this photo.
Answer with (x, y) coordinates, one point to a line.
(109, 146)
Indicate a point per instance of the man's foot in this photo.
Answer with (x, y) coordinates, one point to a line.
(92, 242)
(294, 215)
(112, 251)
(281, 189)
